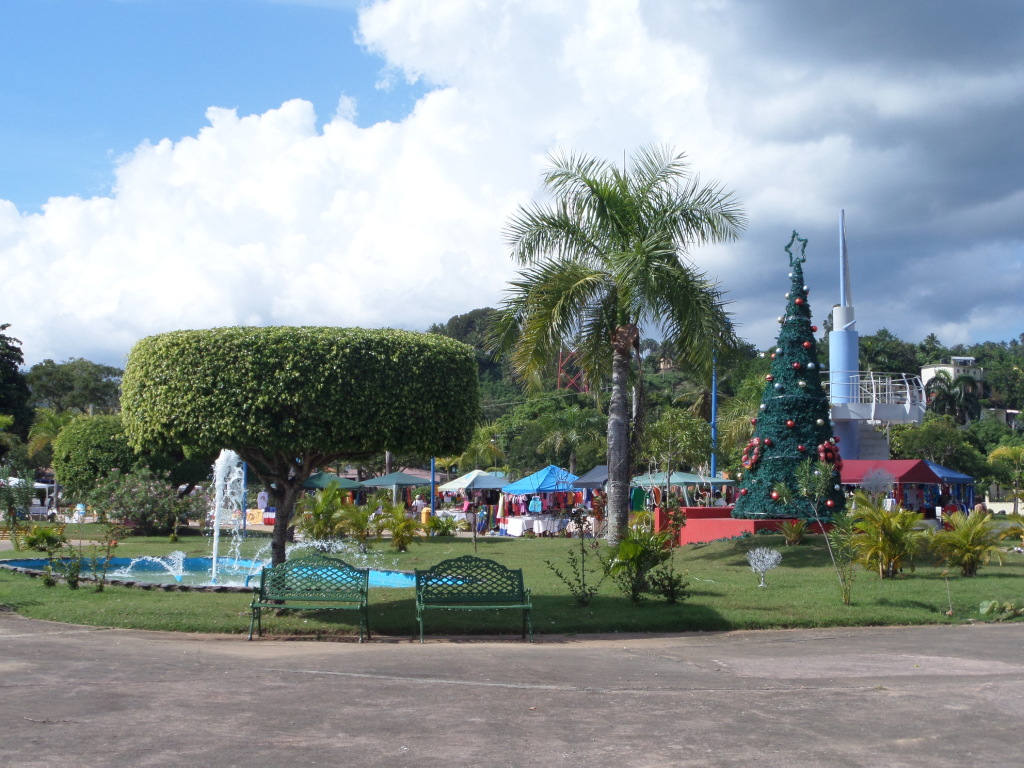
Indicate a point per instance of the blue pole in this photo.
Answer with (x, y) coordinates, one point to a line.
(433, 492)
(714, 413)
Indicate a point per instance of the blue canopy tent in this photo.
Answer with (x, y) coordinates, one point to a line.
(551, 479)
(962, 485)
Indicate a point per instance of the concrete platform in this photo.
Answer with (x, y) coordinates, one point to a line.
(914, 696)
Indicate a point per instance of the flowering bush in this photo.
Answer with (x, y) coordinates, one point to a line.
(146, 502)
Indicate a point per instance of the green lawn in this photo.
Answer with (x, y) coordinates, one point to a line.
(801, 592)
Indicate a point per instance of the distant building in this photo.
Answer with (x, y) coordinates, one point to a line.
(957, 366)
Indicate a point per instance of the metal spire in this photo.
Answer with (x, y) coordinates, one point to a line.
(845, 294)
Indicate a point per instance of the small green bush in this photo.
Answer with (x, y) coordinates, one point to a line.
(44, 538)
(971, 542)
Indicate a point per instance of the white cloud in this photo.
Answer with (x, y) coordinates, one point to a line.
(266, 219)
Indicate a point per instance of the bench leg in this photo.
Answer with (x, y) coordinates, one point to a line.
(419, 620)
(255, 618)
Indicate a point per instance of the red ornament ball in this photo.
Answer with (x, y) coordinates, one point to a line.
(807, 345)
(814, 329)
(798, 302)
(769, 377)
(768, 442)
(801, 448)
(775, 495)
(830, 503)
(796, 366)
(743, 491)
(835, 439)
(790, 423)
(753, 421)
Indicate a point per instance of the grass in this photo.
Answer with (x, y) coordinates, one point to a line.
(801, 592)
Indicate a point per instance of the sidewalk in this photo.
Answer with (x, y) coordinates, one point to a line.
(909, 696)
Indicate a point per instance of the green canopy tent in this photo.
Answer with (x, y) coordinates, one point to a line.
(321, 480)
(681, 479)
(473, 481)
(394, 481)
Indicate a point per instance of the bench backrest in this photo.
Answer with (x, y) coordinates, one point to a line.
(314, 578)
(470, 579)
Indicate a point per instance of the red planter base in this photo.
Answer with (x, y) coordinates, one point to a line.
(704, 524)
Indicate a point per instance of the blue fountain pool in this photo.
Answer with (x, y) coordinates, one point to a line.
(195, 571)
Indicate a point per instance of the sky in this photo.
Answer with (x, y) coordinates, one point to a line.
(170, 164)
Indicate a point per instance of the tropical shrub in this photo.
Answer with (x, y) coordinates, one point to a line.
(445, 526)
(320, 514)
(841, 539)
(793, 531)
(579, 569)
(633, 559)
(404, 530)
(44, 538)
(969, 543)
(146, 502)
(887, 541)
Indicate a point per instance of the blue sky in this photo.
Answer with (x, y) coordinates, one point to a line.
(174, 164)
(88, 80)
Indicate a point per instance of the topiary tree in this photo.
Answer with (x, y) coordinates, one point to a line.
(87, 450)
(793, 425)
(290, 400)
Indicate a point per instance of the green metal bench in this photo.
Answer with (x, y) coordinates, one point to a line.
(472, 584)
(317, 583)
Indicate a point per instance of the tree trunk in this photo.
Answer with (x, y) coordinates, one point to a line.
(618, 438)
(284, 498)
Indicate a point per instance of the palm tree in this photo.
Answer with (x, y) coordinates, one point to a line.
(959, 397)
(483, 448)
(571, 428)
(606, 257)
(1011, 457)
(45, 427)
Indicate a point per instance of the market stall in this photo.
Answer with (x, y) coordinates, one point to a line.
(539, 502)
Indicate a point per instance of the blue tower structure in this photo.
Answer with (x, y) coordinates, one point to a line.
(844, 352)
(861, 401)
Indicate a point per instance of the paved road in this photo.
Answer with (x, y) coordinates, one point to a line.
(935, 696)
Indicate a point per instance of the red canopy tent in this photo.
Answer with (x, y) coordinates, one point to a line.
(902, 471)
(908, 475)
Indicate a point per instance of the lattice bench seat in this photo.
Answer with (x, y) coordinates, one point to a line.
(472, 584)
(317, 583)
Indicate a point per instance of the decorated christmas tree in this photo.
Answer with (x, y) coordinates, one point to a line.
(793, 424)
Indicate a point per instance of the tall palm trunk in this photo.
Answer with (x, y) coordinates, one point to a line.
(618, 435)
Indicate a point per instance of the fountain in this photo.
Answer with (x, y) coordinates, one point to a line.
(230, 571)
(229, 486)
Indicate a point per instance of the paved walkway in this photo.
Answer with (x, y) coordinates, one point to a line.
(916, 696)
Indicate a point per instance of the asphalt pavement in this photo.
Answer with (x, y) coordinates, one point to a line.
(895, 696)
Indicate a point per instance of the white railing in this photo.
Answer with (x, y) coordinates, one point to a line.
(871, 395)
(874, 387)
